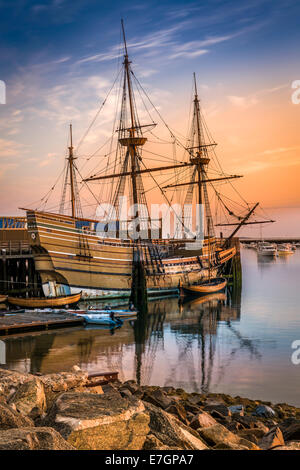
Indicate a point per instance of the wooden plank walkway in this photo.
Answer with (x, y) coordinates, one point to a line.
(15, 323)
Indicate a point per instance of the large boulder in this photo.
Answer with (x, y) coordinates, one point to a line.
(9, 418)
(30, 399)
(152, 443)
(202, 420)
(55, 384)
(178, 410)
(217, 410)
(100, 422)
(264, 411)
(290, 429)
(273, 438)
(253, 435)
(158, 398)
(31, 438)
(64, 381)
(10, 380)
(219, 435)
(172, 432)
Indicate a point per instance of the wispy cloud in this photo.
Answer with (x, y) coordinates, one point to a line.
(254, 98)
(272, 158)
(167, 40)
(10, 148)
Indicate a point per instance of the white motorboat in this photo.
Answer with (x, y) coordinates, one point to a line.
(266, 249)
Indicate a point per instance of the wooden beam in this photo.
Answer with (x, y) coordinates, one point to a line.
(203, 181)
(247, 223)
(243, 221)
(148, 170)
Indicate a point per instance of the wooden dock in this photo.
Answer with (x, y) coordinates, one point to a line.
(19, 322)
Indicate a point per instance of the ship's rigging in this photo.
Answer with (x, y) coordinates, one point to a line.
(124, 167)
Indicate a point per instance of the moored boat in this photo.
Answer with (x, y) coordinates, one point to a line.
(208, 287)
(105, 313)
(45, 302)
(102, 320)
(284, 249)
(266, 249)
(3, 299)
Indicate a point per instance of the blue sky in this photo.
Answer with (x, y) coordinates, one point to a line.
(58, 58)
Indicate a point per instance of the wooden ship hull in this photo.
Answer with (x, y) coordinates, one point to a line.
(70, 259)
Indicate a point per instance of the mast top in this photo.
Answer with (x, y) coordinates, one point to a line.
(195, 85)
(71, 143)
(124, 39)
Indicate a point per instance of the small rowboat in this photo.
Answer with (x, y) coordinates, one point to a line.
(207, 287)
(3, 299)
(45, 302)
(117, 312)
(106, 313)
(101, 320)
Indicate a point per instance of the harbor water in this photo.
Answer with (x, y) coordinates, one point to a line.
(239, 343)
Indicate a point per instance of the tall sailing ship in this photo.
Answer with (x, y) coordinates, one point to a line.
(71, 255)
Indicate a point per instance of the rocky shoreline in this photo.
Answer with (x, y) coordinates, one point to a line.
(66, 412)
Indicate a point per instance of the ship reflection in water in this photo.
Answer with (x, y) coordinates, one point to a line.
(238, 343)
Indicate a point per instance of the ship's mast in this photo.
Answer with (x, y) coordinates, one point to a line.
(199, 166)
(71, 159)
(131, 142)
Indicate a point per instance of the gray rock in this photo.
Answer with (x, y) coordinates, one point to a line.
(131, 385)
(158, 398)
(218, 409)
(264, 411)
(237, 410)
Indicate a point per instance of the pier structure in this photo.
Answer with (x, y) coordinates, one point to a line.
(17, 269)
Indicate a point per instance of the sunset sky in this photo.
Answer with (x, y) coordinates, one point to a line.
(60, 57)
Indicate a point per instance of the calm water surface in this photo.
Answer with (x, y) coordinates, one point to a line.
(238, 344)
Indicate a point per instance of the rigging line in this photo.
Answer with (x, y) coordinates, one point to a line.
(159, 114)
(231, 200)
(216, 157)
(98, 112)
(139, 92)
(52, 188)
(159, 138)
(169, 204)
(165, 181)
(108, 165)
(82, 181)
(158, 155)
